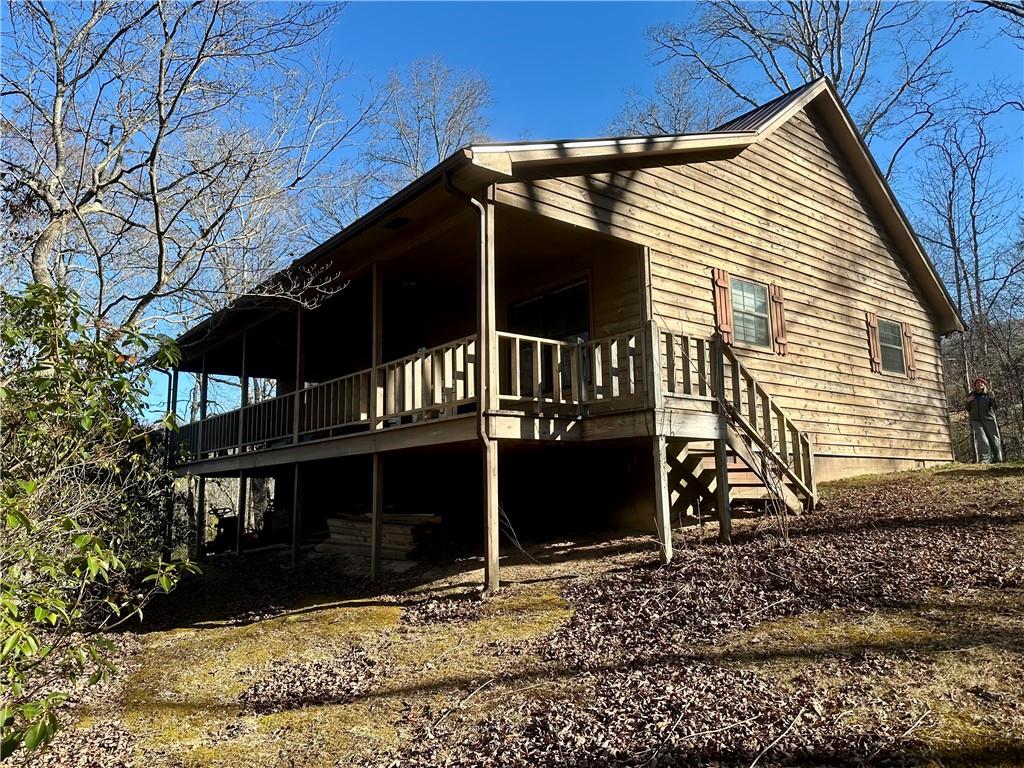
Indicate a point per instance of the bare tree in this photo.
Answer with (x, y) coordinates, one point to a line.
(146, 143)
(680, 103)
(433, 110)
(426, 113)
(967, 211)
(1012, 14)
(968, 214)
(885, 58)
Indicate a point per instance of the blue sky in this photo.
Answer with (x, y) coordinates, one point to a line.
(560, 70)
(556, 69)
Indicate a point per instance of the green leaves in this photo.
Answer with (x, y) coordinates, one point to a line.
(82, 502)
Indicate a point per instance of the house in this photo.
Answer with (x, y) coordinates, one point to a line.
(630, 330)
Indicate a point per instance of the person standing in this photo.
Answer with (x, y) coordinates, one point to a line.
(981, 410)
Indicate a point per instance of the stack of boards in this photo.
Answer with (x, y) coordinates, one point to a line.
(402, 534)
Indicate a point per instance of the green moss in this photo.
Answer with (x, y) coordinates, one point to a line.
(182, 698)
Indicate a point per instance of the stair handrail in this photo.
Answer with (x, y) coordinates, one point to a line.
(800, 471)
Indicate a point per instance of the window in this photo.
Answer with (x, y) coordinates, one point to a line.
(890, 339)
(750, 321)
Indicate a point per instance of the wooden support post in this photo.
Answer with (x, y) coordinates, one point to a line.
(721, 447)
(722, 491)
(377, 520)
(243, 499)
(489, 341)
(662, 499)
(244, 383)
(652, 344)
(204, 388)
(296, 512)
(487, 386)
(300, 375)
(201, 519)
(172, 407)
(376, 405)
(492, 550)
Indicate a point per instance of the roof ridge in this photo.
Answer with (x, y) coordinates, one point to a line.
(754, 119)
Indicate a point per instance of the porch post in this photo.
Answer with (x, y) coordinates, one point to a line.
(204, 385)
(662, 500)
(376, 404)
(377, 522)
(296, 512)
(172, 407)
(492, 579)
(651, 334)
(721, 448)
(487, 391)
(244, 381)
(201, 519)
(300, 375)
(243, 498)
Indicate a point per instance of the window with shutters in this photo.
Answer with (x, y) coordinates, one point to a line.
(890, 341)
(751, 320)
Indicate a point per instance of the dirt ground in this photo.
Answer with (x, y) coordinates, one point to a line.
(887, 630)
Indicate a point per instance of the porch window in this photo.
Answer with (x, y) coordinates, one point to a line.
(890, 339)
(750, 314)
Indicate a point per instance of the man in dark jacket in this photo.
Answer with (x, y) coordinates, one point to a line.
(981, 409)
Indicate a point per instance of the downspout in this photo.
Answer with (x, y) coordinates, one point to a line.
(482, 393)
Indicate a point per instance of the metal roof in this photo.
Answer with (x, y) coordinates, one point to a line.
(760, 116)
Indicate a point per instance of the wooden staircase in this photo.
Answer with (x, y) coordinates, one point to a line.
(760, 433)
(767, 456)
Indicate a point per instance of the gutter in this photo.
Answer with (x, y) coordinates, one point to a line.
(481, 389)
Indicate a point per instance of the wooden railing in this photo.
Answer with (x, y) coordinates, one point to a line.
(211, 435)
(267, 420)
(565, 376)
(754, 411)
(337, 403)
(617, 367)
(432, 383)
(686, 365)
(537, 370)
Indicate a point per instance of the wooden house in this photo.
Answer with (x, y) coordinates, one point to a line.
(638, 329)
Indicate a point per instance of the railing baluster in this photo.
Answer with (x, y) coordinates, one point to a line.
(631, 359)
(614, 366)
(751, 401)
(670, 360)
(734, 371)
(556, 375)
(514, 369)
(702, 368)
(537, 391)
(783, 447)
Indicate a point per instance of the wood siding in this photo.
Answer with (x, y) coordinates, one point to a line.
(787, 211)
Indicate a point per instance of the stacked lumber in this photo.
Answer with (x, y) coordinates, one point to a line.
(401, 534)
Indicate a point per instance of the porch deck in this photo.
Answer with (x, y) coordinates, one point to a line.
(548, 389)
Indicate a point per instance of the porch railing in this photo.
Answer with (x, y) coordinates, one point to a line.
(337, 403)
(432, 383)
(535, 375)
(563, 376)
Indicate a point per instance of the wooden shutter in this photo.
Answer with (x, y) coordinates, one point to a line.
(723, 304)
(874, 348)
(908, 351)
(778, 315)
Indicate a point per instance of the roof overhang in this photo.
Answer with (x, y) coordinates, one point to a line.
(509, 159)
